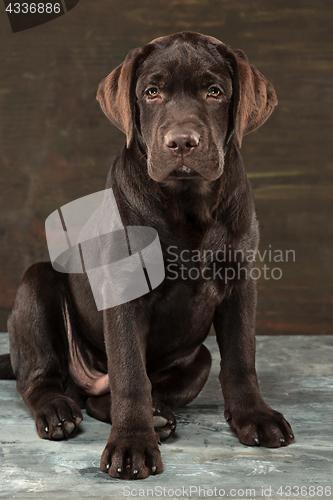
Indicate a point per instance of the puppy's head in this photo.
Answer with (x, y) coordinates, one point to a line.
(186, 96)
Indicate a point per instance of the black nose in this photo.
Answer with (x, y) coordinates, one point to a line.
(182, 142)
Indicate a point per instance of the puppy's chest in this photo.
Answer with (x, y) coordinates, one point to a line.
(182, 317)
(196, 282)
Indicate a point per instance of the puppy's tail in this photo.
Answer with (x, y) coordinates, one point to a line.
(6, 370)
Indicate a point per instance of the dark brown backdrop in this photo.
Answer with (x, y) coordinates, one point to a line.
(56, 145)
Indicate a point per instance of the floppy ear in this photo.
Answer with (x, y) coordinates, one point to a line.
(254, 96)
(116, 94)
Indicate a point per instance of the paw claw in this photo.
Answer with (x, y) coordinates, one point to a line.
(69, 427)
(164, 433)
(160, 421)
(57, 435)
(78, 420)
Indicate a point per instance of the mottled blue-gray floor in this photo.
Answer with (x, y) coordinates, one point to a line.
(296, 377)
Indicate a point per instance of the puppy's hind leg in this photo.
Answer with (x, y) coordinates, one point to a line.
(39, 351)
(177, 388)
(99, 407)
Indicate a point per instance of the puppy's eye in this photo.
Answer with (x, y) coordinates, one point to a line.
(152, 92)
(214, 91)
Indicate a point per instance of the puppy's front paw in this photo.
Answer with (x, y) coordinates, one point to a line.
(132, 457)
(260, 427)
(58, 418)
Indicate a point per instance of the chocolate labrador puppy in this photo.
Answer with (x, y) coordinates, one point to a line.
(184, 101)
